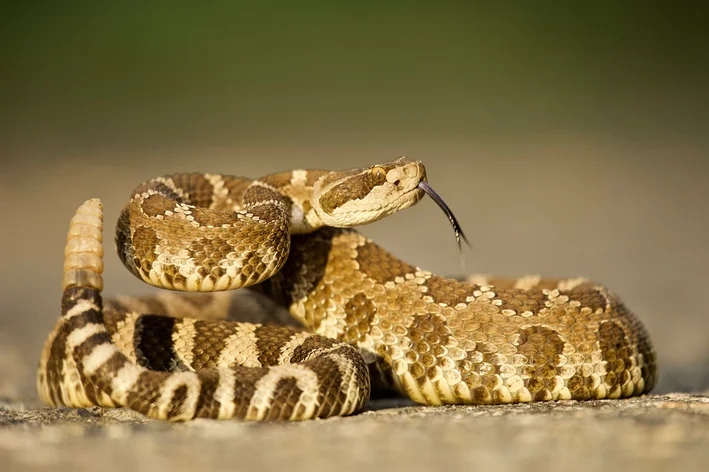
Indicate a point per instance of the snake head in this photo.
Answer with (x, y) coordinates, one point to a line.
(364, 195)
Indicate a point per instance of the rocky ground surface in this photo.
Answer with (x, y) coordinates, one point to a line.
(653, 433)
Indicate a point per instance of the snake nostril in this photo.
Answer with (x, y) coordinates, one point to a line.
(397, 182)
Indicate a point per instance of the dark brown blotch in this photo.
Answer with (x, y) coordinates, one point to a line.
(144, 242)
(124, 242)
(245, 387)
(209, 340)
(257, 194)
(107, 372)
(309, 345)
(616, 351)
(521, 300)
(157, 204)
(270, 340)
(177, 402)
(587, 297)
(379, 265)
(543, 347)
(449, 291)
(207, 406)
(153, 343)
(279, 180)
(236, 187)
(355, 187)
(331, 395)
(146, 393)
(216, 218)
(285, 398)
(359, 313)
(198, 189)
(158, 186)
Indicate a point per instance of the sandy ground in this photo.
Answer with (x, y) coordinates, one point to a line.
(655, 433)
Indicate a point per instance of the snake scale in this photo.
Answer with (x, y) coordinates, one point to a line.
(370, 320)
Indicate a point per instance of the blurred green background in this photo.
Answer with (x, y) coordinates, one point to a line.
(569, 138)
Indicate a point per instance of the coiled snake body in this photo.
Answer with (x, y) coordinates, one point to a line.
(433, 339)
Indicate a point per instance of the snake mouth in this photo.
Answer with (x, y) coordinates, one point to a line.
(428, 190)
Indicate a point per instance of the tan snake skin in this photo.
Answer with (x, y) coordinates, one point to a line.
(433, 339)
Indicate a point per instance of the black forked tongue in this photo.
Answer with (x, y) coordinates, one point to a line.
(451, 217)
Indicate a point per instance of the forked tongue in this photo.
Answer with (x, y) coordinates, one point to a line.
(451, 217)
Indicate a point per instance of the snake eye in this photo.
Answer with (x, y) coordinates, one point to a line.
(378, 173)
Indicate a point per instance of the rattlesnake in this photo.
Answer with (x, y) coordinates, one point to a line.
(373, 320)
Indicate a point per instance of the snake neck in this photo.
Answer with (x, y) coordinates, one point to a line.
(297, 189)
